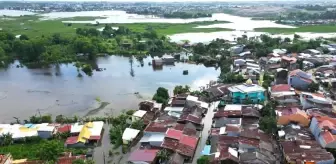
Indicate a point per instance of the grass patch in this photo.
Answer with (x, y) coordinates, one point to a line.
(315, 28)
(169, 29)
(32, 26)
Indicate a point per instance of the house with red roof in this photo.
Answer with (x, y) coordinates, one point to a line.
(324, 130)
(284, 94)
(299, 79)
(288, 62)
(143, 156)
(178, 142)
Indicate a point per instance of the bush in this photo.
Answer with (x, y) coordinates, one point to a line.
(130, 112)
(124, 149)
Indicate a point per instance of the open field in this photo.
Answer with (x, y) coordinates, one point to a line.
(315, 29)
(33, 26)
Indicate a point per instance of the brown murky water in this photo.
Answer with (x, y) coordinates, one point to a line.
(58, 90)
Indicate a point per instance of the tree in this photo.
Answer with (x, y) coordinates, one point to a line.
(199, 48)
(161, 95)
(180, 89)
(51, 150)
(138, 124)
(24, 37)
(268, 124)
(2, 54)
(287, 40)
(163, 155)
(313, 87)
(78, 161)
(6, 139)
(203, 160)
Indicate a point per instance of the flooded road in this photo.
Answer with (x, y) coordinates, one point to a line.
(58, 90)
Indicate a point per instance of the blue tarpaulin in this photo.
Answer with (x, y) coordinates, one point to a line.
(206, 150)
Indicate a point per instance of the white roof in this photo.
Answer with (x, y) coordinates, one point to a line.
(167, 56)
(252, 65)
(192, 98)
(96, 128)
(281, 133)
(232, 107)
(233, 152)
(286, 93)
(156, 137)
(46, 128)
(274, 60)
(222, 130)
(174, 114)
(279, 51)
(244, 53)
(173, 109)
(246, 88)
(139, 113)
(129, 134)
(314, 51)
(76, 128)
(195, 99)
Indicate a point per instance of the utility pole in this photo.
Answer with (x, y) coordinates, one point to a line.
(104, 157)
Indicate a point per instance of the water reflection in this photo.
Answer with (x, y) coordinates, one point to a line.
(23, 90)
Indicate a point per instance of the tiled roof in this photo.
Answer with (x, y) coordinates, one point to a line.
(289, 59)
(64, 128)
(328, 137)
(298, 151)
(156, 127)
(174, 134)
(189, 140)
(191, 118)
(185, 150)
(146, 155)
(249, 141)
(170, 143)
(71, 140)
(69, 160)
(281, 88)
(220, 114)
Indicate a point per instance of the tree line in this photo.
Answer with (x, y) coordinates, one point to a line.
(84, 45)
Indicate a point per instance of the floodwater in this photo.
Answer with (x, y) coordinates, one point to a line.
(15, 13)
(233, 35)
(58, 90)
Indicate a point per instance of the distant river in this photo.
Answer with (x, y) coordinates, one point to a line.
(58, 90)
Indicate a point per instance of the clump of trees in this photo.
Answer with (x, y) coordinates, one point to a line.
(179, 89)
(161, 95)
(313, 87)
(268, 122)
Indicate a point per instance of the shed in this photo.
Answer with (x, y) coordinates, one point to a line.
(129, 134)
(45, 132)
(138, 115)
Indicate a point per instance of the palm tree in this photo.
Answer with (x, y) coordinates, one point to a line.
(163, 155)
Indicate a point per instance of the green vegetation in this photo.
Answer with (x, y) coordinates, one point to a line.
(38, 149)
(268, 121)
(119, 124)
(174, 28)
(32, 26)
(203, 160)
(161, 95)
(180, 89)
(186, 15)
(309, 28)
(313, 87)
(163, 155)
